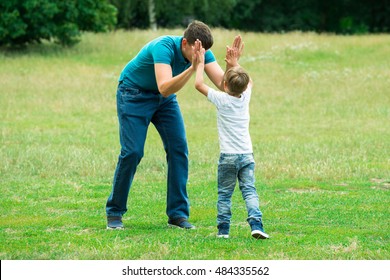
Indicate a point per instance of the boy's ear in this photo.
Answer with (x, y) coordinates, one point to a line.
(225, 85)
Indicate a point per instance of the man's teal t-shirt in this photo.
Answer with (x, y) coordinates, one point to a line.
(139, 72)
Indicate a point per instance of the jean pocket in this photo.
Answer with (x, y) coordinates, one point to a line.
(130, 94)
(227, 158)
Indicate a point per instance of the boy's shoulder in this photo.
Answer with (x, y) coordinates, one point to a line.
(248, 90)
(217, 94)
(216, 97)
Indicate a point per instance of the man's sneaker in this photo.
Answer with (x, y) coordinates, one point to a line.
(223, 230)
(180, 223)
(114, 222)
(258, 231)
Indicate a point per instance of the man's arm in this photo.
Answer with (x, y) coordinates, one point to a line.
(167, 84)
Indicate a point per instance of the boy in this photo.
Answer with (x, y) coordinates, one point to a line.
(236, 155)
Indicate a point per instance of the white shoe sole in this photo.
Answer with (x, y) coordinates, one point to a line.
(223, 236)
(115, 228)
(258, 234)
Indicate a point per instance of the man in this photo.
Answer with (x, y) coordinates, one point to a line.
(146, 93)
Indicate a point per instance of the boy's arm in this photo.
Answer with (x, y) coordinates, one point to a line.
(214, 70)
(233, 53)
(215, 74)
(231, 58)
(199, 81)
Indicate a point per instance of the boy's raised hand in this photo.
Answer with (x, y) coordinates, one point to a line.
(234, 52)
(201, 54)
(232, 56)
(238, 44)
(199, 70)
(196, 50)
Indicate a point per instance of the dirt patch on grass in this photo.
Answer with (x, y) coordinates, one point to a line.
(380, 184)
(310, 190)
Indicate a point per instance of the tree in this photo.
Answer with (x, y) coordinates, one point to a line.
(131, 13)
(339, 16)
(29, 21)
(152, 15)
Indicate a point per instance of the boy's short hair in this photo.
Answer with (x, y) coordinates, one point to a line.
(237, 79)
(199, 30)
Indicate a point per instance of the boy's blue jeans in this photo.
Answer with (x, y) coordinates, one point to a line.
(233, 167)
(136, 109)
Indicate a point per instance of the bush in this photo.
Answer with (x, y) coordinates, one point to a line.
(29, 21)
(338, 16)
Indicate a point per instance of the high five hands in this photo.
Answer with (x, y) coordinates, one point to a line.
(234, 52)
(198, 54)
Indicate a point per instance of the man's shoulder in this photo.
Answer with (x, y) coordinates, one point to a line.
(166, 43)
(167, 39)
(164, 48)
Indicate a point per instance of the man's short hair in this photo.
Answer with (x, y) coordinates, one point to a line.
(199, 30)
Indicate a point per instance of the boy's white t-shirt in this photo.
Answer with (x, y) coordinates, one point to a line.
(232, 121)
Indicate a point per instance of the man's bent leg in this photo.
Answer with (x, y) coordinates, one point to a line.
(134, 120)
(170, 125)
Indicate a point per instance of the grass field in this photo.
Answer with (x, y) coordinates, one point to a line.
(320, 125)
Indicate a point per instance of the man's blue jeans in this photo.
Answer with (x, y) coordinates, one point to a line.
(136, 109)
(233, 167)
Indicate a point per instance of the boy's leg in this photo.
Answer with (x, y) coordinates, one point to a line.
(246, 179)
(227, 176)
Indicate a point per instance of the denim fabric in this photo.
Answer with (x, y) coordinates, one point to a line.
(136, 109)
(233, 167)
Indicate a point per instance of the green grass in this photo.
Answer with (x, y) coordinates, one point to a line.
(320, 125)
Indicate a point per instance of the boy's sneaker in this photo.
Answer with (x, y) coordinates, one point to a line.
(223, 230)
(258, 231)
(114, 222)
(180, 223)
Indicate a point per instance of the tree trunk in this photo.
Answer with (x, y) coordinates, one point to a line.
(152, 15)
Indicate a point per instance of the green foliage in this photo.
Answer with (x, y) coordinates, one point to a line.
(224, 13)
(339, 16)
(28, 21)
(131, 13)
(172, 13)
(349, 26)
